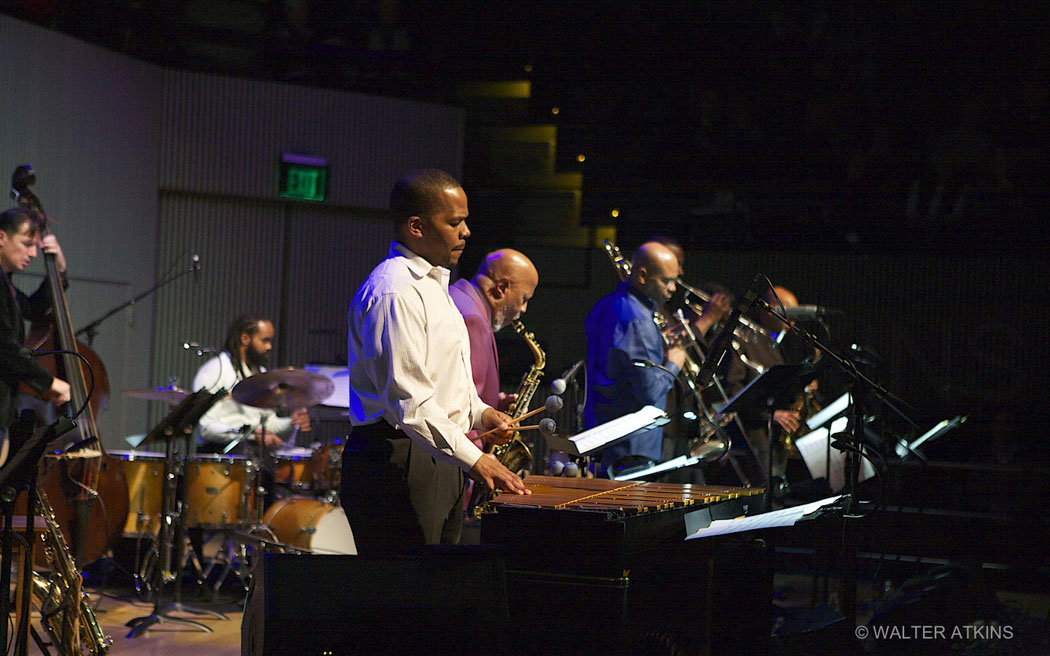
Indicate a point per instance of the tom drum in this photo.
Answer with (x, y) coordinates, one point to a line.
(219, 490)
(144, 472)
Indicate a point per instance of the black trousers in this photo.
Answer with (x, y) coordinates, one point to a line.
(396, 495)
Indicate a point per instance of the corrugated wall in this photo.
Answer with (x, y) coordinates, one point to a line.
(955, 334)
(298, 263)
(87, 120)
(225, 136)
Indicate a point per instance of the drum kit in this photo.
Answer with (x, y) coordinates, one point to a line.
(224, 492)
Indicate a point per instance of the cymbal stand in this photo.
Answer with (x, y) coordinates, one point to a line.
(234, 552)
(171, 523)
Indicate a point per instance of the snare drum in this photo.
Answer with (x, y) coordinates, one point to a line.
(293, 467)
(144, 472)
(219, 490)
(328, 466)
(308, 523)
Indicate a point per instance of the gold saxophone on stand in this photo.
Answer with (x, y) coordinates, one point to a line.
(65, 610)
(515, 454)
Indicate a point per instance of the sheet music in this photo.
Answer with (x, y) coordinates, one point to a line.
(607, 433)
(813, 447)
(777, 518)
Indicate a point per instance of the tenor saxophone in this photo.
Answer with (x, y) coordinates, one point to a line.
(515, 454)
(65, 609)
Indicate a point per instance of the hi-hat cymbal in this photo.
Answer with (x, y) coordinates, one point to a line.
(171, 394)
(289, 388)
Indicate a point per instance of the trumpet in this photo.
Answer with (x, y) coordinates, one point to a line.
(745, 330)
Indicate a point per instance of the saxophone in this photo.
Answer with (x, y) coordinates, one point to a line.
(65, 610)
(515, 454)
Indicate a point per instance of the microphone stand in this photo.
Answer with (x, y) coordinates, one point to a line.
(860, 387)
(91, 330)
(179, 423)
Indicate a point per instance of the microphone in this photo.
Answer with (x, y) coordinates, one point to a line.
(199, 348)
(721, 342)
(195, 264)
(808, 312)
(559, 385)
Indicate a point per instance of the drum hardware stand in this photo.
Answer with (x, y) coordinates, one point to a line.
(179, 422)
(234, 552)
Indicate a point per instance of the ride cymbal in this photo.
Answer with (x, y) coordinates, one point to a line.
(288, 388)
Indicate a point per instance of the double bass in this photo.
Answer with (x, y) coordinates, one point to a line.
(86, 487)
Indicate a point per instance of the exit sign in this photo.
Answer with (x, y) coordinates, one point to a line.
(303, 177)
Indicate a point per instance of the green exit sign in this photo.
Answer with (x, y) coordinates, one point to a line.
(303, 177)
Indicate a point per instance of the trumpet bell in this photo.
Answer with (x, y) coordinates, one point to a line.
(709, 450)
(712, 444)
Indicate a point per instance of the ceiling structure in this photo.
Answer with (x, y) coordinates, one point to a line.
(877, 126)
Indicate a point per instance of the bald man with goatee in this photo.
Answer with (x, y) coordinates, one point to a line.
(620, 332)
(498, 294)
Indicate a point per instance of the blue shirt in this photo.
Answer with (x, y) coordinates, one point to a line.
(620, 329)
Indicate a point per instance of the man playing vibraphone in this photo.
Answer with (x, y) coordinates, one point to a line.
(412, 396)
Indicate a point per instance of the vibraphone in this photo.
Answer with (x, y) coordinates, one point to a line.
(608, 561)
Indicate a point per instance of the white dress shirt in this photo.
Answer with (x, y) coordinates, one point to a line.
(223, 420)
(409, 357)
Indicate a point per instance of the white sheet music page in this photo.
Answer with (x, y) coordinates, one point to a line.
(599, 436)
(784, 517)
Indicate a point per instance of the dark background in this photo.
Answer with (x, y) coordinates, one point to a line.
(889, 158)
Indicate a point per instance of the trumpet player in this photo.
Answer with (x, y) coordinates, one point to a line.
(621, 334)
(743, 363)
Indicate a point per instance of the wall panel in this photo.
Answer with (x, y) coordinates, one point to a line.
(239, 242)
(87, 120)
(225, 136)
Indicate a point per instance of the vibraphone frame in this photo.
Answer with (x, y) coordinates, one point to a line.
(603, 566)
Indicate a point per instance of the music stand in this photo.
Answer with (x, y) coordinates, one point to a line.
(772, 387)
(609, 433)
(180, 422)
(20, 472)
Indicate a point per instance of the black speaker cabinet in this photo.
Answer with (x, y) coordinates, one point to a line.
(453, 601)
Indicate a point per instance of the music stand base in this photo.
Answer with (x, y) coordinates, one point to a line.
(140, 625)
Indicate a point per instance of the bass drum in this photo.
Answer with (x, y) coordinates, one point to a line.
(309, 523)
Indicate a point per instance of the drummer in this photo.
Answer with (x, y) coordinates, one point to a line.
(229, 426)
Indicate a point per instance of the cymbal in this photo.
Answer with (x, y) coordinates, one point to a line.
(289, 388)
(171, 394)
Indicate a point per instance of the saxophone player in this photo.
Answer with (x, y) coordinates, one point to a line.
(498, 294)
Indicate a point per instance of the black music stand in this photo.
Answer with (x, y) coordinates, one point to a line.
(20, 472)
(772, 387)
(179, 423)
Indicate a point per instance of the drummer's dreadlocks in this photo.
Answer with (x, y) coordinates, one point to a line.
(245, 324)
